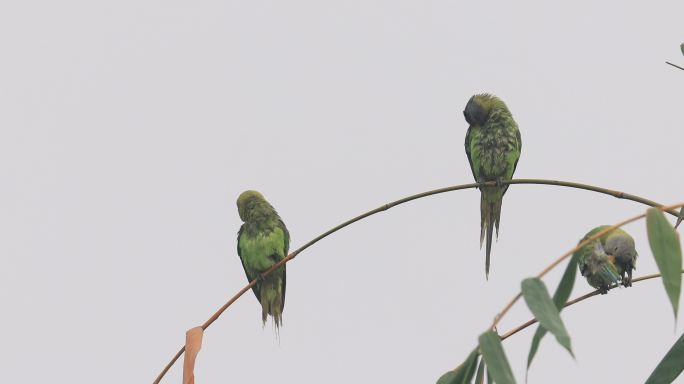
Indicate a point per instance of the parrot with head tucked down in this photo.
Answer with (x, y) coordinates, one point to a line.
(493, 147)
(597, 266)
(608, 259)
(263, 240)
(619, 245)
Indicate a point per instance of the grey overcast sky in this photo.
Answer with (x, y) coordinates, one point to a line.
(129, 128)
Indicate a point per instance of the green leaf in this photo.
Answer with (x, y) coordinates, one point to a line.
(681, 210)
(560, 298)
(495, 358)
(540, 303)
(464, 373)
(670, 366)
(449, 377)
(479, 377)
(667, 251)
(682, 48)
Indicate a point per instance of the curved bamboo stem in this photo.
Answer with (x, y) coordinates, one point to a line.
(605, 191)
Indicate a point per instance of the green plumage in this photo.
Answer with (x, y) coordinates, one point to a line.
(493, 147)
(608, 260)
(263, 240)
(619, 245)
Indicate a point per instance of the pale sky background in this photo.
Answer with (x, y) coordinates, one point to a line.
(129, 128)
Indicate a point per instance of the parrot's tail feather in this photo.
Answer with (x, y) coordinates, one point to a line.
(272, 300)
(483, 218)
(496, 209)
(490, 227)
(490, 214)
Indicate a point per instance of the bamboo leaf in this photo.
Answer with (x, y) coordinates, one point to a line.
(495, 358)
(479, 377)
(667, 252)
(560, 297)
(670, 366)
(538, 300)
(449, 377)
(464, 373)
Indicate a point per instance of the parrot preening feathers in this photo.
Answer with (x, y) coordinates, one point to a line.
(263, 240)
(493, 147)
(608, 260)
(620, 245)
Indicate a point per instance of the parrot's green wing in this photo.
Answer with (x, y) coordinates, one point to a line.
(286, 239)
(255, 288)
(582, 256)
(259, 250)
(515, 165)
(586, 250)
(468, 144)
(513, 156)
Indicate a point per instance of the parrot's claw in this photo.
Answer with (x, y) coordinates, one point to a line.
(628, 281)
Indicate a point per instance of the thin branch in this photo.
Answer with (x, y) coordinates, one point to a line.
(567, 254)
(674, 65)
(571, 302)
(517, 297)
(605, 191)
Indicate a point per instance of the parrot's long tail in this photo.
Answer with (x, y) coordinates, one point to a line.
(490, 213)
(272, 300)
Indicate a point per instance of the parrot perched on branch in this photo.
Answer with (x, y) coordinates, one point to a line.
(620, 245)
(607, 260)
(493, 147)
(263, 240)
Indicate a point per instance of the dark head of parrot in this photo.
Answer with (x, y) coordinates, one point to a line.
(475, 112)
(247, 202)
(622, 247)
(479, 106)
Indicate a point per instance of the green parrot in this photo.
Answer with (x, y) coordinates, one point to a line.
(263, 240)
(619, 245)
(493, 147)
(597, 266)
(606, 261)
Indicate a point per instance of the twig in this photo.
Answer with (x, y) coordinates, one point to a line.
(571, 302)
(674, 65)
(510, 304)
(616, 194)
